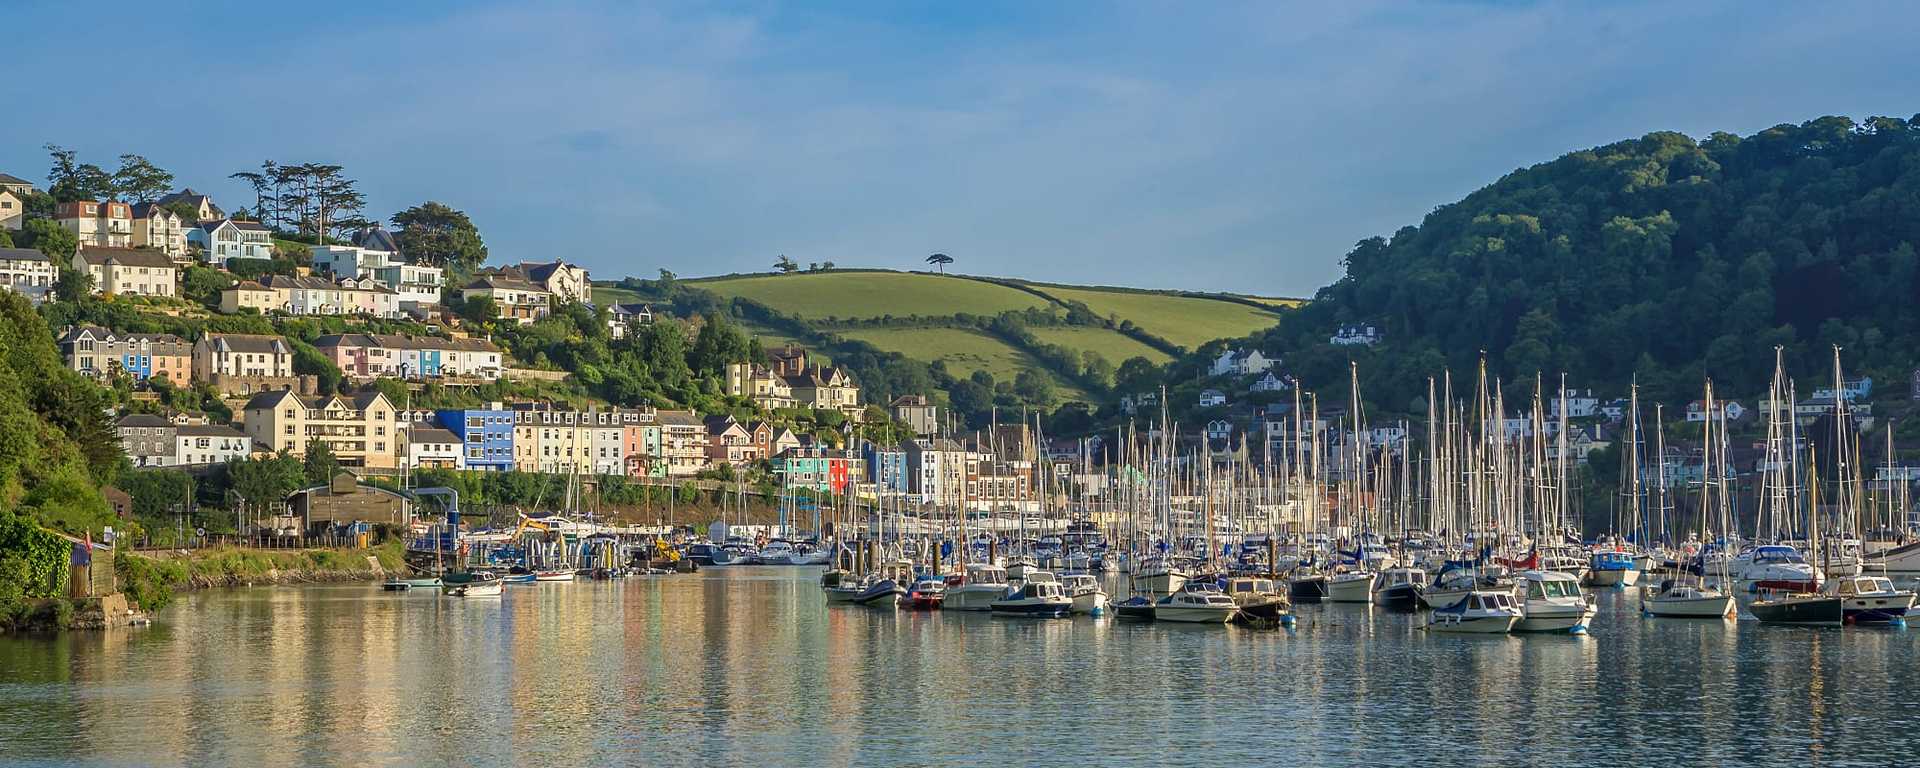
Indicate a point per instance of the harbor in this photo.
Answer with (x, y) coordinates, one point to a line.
(750, 665)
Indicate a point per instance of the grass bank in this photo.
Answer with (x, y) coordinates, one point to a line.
(150, 580)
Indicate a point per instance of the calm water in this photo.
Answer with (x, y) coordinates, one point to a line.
(748, 666)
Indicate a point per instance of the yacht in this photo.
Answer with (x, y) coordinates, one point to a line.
(1613, 568)
(1551, 601)
(1258, 598)
(1088, 597)
(1158, 577)
(1458, 579)
(776, 552)
(1775, 567)
(926, 594)
(1686, 598)
(1399, 588)
(1039, 596)
(1196, 603)
(1020, 565)
(477, 585)
(1307, 586)
(1479, 612)
(1350, 587)
(884, 587)
(976, 590)
(809, 554)
(1872, 600)
(1803, 608)
(1902, 560)
(840, 586)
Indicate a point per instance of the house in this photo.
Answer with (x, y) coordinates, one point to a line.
(239, 363)
(148, 440)
(1133, 403)
(156, 227)
(885, 467)
(376, 355)
(201, 204)
(917, 412)
(248, 294)
(1729, 410)
(432, 448)
(1615, 409)
(1212, 397)
(92, 222)
(549, 439)
(513, 298)
(683, 443)
(204, 444)
(1349, 335)
(621, 316)
(28, 272)
(127, 271)
(729, 442)
(13, 211)
(15, 184)
(485, 434)
(1235, 362)
(416, 285)
(1219, 429)
(826, 388)
(100, 353)
(358, 428)
(817, 469)
(223, 240)
(936, 471)
(319, 296)
(1269, 382)
(759, 384)
(1580, 404)
(561, 280)
(1850, 390)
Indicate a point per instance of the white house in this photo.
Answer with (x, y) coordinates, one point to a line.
(228, 239)
(1235, 362)
(1850, 390)
(1269, 383)
(1348, 335)
(432, 448)
(210, 444)
(1219, 429)
(1580, 404)
(1212, 397)
(619, 316)
(1732, 410)
(28, 272)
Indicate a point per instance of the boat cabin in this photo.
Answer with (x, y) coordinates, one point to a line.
(1546, 585)
(1397, 576)
(1041, 590)
(1865, 585)
(980, 573)
(1488, 601)
(1777, 554)
(1250, 586)
(1079, 583)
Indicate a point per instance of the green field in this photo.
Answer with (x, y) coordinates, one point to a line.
(1183, 320)
(872, 294)
(1115, 346)
(963, 351)
(606, 295)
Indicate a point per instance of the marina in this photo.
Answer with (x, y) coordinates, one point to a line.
(751, 665)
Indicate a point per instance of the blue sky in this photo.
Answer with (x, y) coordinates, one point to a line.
(1207, 145)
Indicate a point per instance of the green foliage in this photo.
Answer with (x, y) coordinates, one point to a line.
(140, 181)
(51, 239)
(147, 582)
(438, 234)
(254, 269)
(264, 481)
(319, 465)
(204, 284)
(6, 240)
(70, 180)
(33, 562)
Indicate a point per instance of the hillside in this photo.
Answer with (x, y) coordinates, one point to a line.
(956, 327)
(1662, 258)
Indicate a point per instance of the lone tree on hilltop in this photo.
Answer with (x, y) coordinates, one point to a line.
(940, 261)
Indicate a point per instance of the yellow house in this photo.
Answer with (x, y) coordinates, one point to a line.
(13, 211)
(248, 294)
(360, 429)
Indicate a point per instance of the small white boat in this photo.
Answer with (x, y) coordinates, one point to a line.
(840, 586)
(482, 585)
(1350, 587)
(1686, 598)
(560, 574)
(1157, 577)
(1196, 603)
(776, 552)
(1088, 597)
(1775, 567)
(1873, 600)
(1551, 601)
(976, 590)
(1480, 613)
(1036, 598)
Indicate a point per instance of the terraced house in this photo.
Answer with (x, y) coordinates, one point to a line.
(240, 363)
(513, 298)
(370, 355)
(100, 353)
(160, 229)
(108, 224)
(557, 440)
(28, 272)
(320, 296)
(127, 271)
(359, 429)
(224, 240)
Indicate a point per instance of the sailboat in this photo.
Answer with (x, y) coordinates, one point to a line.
(1687, 594)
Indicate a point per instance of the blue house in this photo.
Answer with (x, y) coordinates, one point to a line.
(486, 435)
(886, 467)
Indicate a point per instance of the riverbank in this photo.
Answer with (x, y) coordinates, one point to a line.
(150, 579)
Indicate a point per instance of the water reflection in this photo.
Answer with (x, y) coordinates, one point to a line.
(748, 666)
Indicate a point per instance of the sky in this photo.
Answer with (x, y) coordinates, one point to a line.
(1204, 146)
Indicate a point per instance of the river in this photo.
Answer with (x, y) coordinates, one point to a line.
(748, 666)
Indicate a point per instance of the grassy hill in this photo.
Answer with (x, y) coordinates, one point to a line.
(932, 317)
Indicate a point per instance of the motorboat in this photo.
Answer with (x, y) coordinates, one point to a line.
(1307, 586)
(1776, 567)
(886, 585)
(1686, 598)
(976, 589)
(479, 584)
(1137, 607)
(402, 585)
(555, 574)
(775, 552)
(926, 594)
(1901, 560)
(1020, 565)
(1872, 600)
(1551, 601)
(840, 586)
(1458, 579)
(1350, 587)
(1158, 577)
(805, 553)
(1088, 597)
(1036, 597)
(1802, 608)
(1196, 603)
(1258, 597)
(701, 553)
(1613, 568)
(731, 553)
(1399, 588)
(1481, 612)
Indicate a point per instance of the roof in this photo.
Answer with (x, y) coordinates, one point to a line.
(432, 435)
(144, 420)
(678, 419)
(210, 430)
(265, 400)
(146, 210)
(250, 343)
(404, 341)
(22, 254)
(631, 309)
(7, 178)
(503, 282)
(377, 239)
(132, 257)
(909, 400)
(248, 285)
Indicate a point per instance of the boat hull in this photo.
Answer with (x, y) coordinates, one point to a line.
(1034, 609)
(1353, 588)
(1809, 611)
(1565, 620)
(1136, 608)
(1159, 585)
(1310, 589)
(1477, 625)
(554, 576)
(472, 589)
(1181, 614)
(1878, 609)
(1400, 597)
(1613, 577)
(962, 598)
(1442, 598)
(885, 594)
(1090, 604)
(1690, 607)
